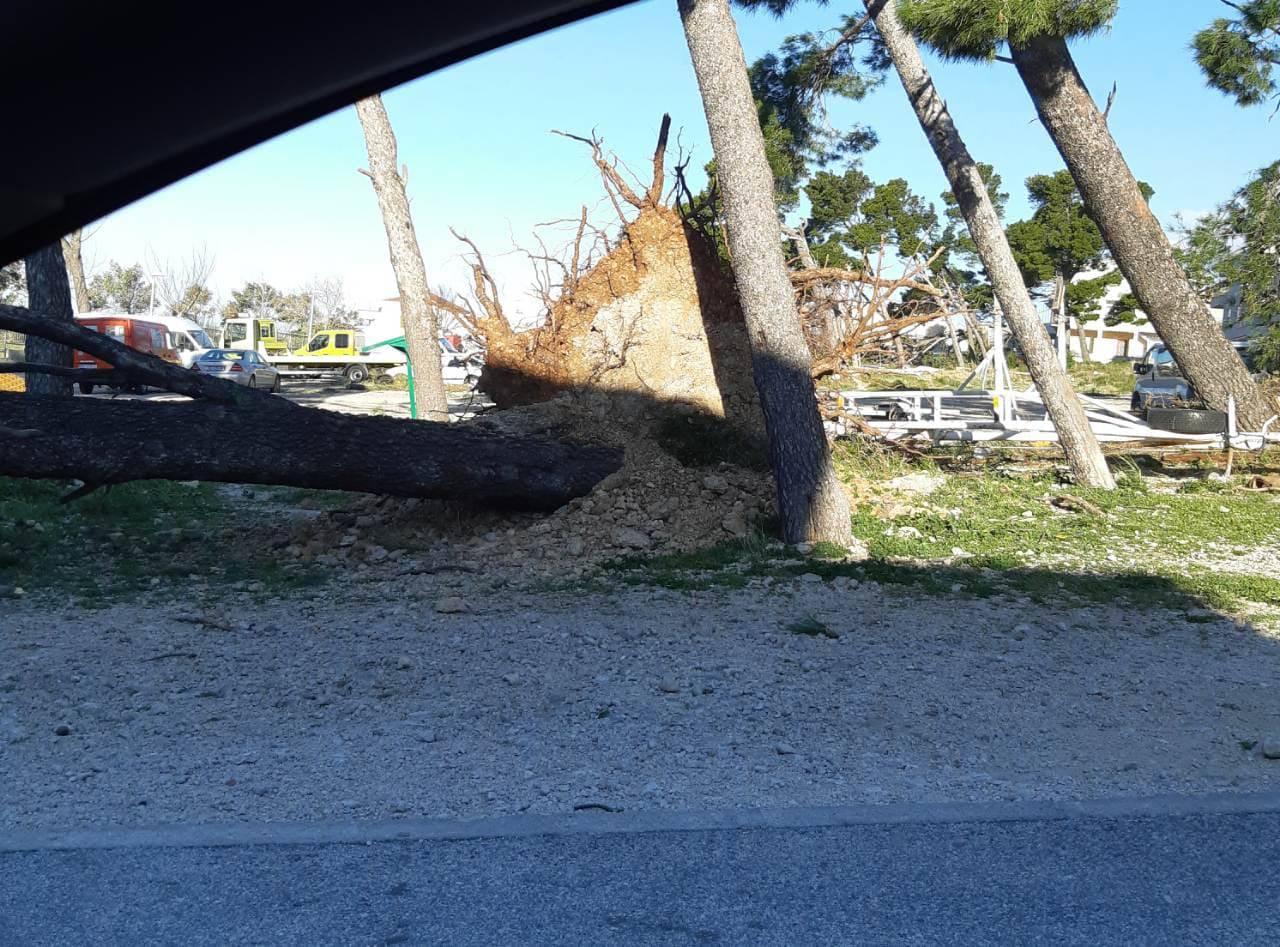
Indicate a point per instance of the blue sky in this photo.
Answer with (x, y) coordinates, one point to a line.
(475, 138)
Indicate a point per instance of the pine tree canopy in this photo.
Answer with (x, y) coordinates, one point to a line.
(1238, 55)
(974, 29)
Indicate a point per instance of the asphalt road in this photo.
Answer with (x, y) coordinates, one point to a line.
(981, 875)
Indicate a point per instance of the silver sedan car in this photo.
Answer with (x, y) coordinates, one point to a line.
(242, 366)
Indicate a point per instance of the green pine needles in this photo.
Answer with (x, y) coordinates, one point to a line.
(974, 29)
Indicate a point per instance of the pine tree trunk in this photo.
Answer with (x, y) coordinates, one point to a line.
(418, 317)
(72, 245)
(1084, 455)
(811, 502)
(103, 442)
(49, 294)
(1061, 336)
(1137, 241)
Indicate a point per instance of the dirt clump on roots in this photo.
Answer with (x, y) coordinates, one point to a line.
(654, 323)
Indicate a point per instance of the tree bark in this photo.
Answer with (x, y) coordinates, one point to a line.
(1060, 319)
(1084, 456)
(104, 442)
(1137, 241)
(418, 317)
(49, 294)
(72, 244)
(811, 502)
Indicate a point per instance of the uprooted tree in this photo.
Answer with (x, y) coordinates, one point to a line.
(236, 435)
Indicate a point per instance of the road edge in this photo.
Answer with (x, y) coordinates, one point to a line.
(604, 823)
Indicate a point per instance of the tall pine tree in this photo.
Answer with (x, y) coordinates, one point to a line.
(1036, 33)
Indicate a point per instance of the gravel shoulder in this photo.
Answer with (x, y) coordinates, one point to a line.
(627, 698)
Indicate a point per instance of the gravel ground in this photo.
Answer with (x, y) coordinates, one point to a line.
(634, 699)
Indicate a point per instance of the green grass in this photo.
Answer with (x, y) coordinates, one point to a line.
(1003, 534)
(160, 538)
(1102, 378)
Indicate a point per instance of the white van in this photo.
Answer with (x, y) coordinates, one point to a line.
(189, 340)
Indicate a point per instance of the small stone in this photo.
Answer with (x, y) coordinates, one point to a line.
(811, 578)
(574, 546)
(403, 663)
(785, 749)
(512, 678)
(804, 548)
(452, 605)
(668, 685)
(427, 736)
(630, 538)
(715, 483)
(735, 523)
(62, 730)
(1271, 748)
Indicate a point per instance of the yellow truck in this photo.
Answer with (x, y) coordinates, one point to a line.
(333, 351)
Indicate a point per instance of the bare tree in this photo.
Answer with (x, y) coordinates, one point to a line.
(71, 250)
(811, 503)
(49, 294)
(182, 286)
(417, 315)
(1084, 455)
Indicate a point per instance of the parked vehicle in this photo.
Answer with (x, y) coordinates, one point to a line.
(141, 333)
(188, 339)
(240, 366)
(338, 351)
(1166, 399)
(334, 351)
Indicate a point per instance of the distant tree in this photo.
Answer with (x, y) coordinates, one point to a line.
(811, 502)
(849, 217)
(1124, 310)
(120, 289)
(418, 316)
(72, 250)
(790, 89)
(1239, 54)
(1252, 218)
(257, 299)
(1036, 33)
(1057, 242)
(1205, 251)
(182, 288)
(963, 261)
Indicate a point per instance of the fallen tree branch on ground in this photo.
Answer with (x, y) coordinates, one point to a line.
(103, 442)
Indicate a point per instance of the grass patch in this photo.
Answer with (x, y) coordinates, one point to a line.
(1102, 378)
(988, 533)
(162, 538)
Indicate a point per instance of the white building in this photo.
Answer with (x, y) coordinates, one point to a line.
(1126, 340)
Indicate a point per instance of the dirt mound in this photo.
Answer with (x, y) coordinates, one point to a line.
(657, 503)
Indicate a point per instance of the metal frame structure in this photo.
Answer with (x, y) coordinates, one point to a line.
(1002, 413)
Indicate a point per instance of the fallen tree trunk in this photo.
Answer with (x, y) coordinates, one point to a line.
(103, 442)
